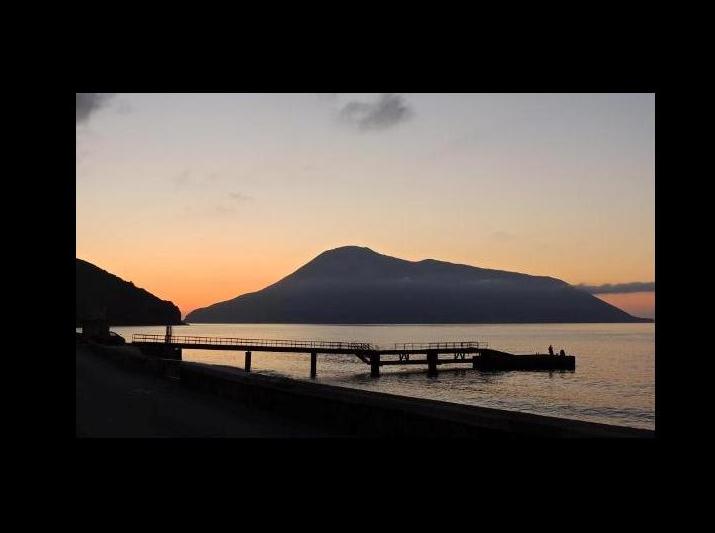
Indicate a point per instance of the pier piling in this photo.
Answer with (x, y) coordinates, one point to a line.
(313, 364)
(247, 365)
(431, 363)
(374, 364)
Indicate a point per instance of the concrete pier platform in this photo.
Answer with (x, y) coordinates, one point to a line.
(496, 360)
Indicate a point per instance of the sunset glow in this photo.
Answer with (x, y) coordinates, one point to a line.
(201, 198)
(636, 303)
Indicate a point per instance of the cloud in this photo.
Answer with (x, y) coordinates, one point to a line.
(188, 178)
(387, 111)
(225, 210)
(182, 179)
(239, 197)
(619, 288)
(502, 236)
(466, 142)
(88, 103)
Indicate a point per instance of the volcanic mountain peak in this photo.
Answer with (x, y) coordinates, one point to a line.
(354, 284)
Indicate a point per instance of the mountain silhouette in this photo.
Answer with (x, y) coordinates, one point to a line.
(355, 285)
(100, 294)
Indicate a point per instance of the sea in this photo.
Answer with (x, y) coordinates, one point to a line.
(614, 380)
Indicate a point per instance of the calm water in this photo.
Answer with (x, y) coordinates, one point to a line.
(614, 381)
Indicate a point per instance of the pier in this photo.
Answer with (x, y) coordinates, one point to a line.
(476, 354)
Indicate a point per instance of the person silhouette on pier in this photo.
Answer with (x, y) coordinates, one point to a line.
(551, 350)
(562, 353)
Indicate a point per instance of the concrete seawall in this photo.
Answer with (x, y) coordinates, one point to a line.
(362, 413)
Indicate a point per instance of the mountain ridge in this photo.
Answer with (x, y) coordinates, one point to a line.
(353, 284)
(101, 294)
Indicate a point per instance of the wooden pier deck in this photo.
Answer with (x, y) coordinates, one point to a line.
(432, 354)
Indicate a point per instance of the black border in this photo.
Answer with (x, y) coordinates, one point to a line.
(427, 73)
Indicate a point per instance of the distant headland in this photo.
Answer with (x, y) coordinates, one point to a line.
(100, 294)
(356, 285)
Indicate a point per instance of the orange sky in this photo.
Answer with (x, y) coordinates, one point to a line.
(640, 304)
(201, 198)
(186, 279)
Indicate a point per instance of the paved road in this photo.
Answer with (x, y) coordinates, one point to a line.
(115, 402)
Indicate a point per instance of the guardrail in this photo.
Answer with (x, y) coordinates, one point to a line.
(232, 341)
(286, 343)
(439, 345)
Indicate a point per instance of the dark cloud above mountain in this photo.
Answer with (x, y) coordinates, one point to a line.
(387, 111)
(88, 103)
(619, 288)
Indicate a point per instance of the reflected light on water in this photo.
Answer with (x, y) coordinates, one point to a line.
(614, 380)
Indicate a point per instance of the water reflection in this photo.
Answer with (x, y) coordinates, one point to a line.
(613, 381)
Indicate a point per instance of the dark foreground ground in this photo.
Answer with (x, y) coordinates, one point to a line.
(124, 393)
(113, 401)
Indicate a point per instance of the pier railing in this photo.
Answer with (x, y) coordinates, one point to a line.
(439, 345)
(232, 341)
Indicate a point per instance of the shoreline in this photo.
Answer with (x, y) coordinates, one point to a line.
(640, 320)
(346, 411)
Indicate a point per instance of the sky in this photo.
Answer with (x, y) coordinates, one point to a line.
(199, 198)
